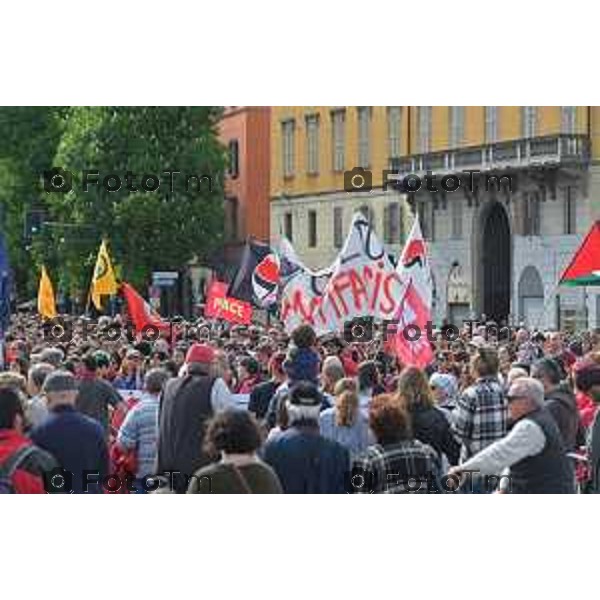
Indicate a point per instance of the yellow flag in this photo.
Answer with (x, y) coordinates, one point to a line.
(46, 302)
(104, 282)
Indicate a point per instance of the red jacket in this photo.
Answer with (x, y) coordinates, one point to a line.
(587, 408)
(28, 478)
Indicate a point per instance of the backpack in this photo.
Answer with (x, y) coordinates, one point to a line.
(8, 468)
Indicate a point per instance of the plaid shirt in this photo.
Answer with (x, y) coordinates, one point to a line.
(401, 468)
(480, 417)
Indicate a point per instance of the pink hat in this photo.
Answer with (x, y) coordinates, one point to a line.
(200, 353)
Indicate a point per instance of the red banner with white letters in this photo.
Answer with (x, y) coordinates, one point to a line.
(221, 306)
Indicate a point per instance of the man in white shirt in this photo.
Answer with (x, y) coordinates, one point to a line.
(533, 450)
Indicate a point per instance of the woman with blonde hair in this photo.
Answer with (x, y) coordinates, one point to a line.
(346, 423)
(429, 423)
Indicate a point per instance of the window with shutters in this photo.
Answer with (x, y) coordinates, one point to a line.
(426, 218)
(338, 226)
(338, 139)
(391, 223)
(457, 125)
(394, 123)
(529, 121)
(457, 218)
(568, 119)
(532, 215)
(570, 210)
(288, 229)
(234, 159)
(288, 135)
(424, 125)
(364, 136)
(312, 144)
(491, 124)
(312, 228)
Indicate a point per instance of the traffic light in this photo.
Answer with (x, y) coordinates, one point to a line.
(34, 220)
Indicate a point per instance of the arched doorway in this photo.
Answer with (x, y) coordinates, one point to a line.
(531, 296)
(496, 263)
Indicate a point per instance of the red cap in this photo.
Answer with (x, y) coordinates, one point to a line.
(200, 353)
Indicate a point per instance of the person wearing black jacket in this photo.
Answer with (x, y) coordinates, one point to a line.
(429, 424)
(186, 405)
(261, 395)
(559, 400)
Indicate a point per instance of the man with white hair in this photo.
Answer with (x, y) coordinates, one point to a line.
(533, 450)
(75, 440)
(36, 408)
(305, 461)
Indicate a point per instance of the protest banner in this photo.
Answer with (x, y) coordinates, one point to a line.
(361, 282)
(220, 306)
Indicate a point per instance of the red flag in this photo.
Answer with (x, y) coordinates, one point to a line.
(584, 268)
(410, 342)
(141, 313)
(221, 306)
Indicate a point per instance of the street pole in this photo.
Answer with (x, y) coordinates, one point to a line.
(587, 312)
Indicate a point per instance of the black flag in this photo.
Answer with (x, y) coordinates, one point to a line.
(257, 278)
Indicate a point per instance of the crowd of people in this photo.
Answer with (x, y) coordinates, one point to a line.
(213, 408)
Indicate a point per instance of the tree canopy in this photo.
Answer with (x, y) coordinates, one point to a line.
(134, 146)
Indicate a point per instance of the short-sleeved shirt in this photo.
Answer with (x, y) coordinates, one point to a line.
(140, 432)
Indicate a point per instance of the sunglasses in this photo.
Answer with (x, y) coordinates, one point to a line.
(513, 397)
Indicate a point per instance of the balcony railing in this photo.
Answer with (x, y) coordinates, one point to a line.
(560, 149)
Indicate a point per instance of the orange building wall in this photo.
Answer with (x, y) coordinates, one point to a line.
(250, 125)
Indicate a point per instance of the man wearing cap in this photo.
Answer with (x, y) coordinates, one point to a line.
(306, 462)
(533, 450)
(75, 440)
(187, 403)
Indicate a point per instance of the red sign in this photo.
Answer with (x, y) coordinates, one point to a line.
(220, 306)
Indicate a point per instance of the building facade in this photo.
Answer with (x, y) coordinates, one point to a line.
(312, 150)
(505, 196)
(245, 132)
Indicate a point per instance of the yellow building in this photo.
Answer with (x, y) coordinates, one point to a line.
(313, 148)
(497, 245)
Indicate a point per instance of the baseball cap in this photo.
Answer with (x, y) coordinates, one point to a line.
(305, 394)
(200, 353)
(102, 358)
(587, 374)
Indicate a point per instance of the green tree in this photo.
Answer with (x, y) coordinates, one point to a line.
(147, 230)
(29, 137)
